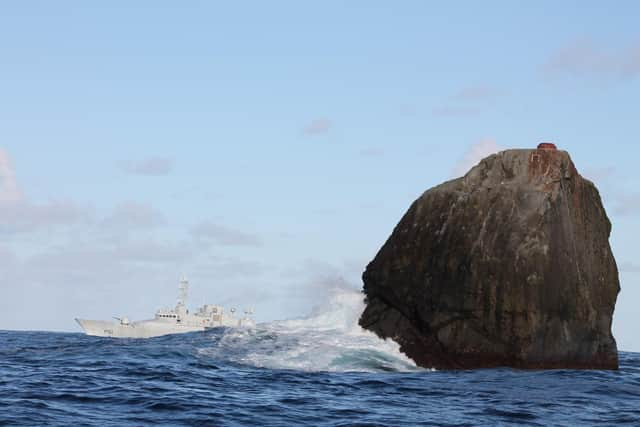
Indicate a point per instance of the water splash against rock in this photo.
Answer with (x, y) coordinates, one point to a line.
(330, 339)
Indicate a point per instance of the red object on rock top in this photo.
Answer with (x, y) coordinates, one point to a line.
(547, 146)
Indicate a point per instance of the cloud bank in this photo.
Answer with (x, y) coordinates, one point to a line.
(67, 259)
(19, 215)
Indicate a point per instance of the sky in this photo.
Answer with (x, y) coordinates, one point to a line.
(267, 149)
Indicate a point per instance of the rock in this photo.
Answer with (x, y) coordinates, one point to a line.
(509, 265)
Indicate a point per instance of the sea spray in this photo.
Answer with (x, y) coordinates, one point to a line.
(329, 339)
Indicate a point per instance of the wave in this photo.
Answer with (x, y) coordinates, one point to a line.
(330, 339)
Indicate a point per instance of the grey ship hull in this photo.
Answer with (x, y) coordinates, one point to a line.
(142, 329)
(167, 321)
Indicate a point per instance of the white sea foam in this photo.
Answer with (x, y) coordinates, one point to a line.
(330, 339)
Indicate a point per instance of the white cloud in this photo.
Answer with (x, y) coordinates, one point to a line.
(18, 214)
(152, 166)
(318, 126)
(474, 154)
(584, 57)
(222, 235)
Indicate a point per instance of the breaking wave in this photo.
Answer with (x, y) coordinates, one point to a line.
(330, 339)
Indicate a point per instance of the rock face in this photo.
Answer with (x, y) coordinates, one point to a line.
(509, 265)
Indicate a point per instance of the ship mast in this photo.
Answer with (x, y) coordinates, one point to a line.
(183, 290)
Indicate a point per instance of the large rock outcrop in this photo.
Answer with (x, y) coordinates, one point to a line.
(509, 265)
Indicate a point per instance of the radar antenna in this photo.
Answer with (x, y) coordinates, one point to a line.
(183, 291)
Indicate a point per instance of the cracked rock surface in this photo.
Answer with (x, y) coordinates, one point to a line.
(509, 265)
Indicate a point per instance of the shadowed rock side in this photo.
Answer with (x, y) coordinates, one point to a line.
(509, 265)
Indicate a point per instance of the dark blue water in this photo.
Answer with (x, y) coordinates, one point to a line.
(203, 379)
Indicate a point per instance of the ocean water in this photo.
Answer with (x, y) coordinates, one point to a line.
(319, 371)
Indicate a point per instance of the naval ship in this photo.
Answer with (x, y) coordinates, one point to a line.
(168, 321)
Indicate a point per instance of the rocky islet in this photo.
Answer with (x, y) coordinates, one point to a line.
(509, 265)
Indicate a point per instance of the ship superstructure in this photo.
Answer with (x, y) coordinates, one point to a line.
(168, 321)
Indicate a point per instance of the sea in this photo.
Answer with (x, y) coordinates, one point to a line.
(322, 370)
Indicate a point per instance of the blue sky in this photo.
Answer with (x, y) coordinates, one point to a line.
(267, 149)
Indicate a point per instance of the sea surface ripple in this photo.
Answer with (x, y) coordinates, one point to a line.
(311, 372)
